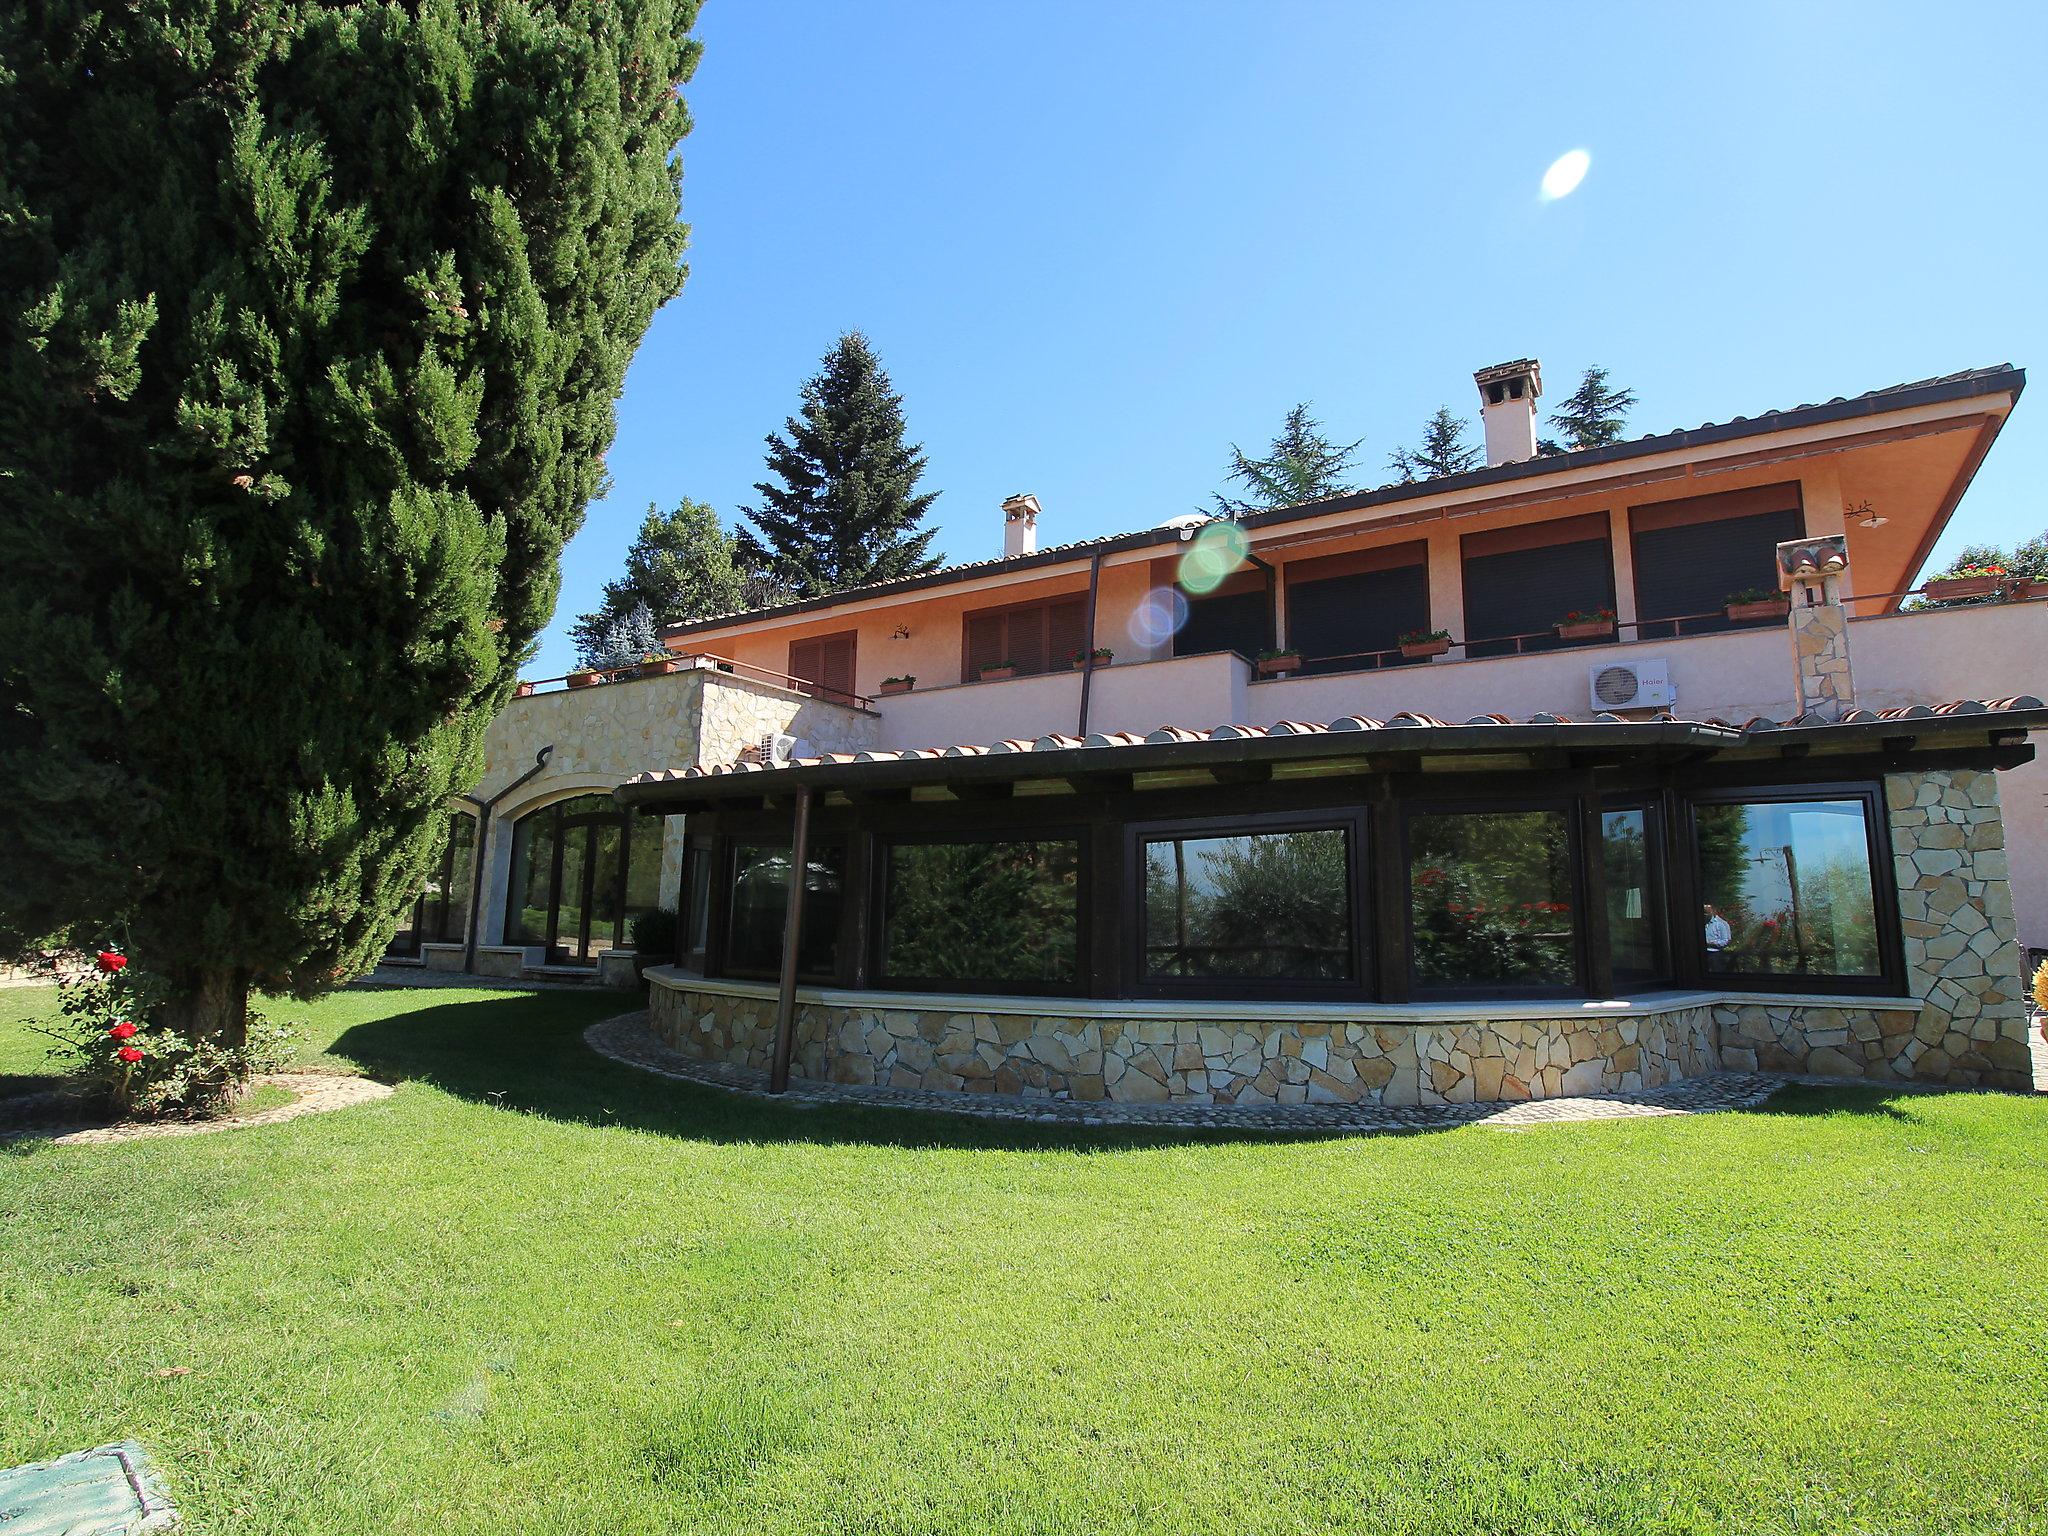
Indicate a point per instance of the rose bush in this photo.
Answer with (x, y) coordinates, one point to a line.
(119, 1059)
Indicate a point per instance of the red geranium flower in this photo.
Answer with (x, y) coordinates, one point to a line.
(129, 1054)
(122, 1031)
(111, 962)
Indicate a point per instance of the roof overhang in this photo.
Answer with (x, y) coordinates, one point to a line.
(1407, 743)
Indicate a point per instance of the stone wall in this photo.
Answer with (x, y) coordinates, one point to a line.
(1963, 959)
(1156, 1059)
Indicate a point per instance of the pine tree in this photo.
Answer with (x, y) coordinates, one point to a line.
(316, 315)
(848, 510)
(1444, 450)
(683, 565)
(1593, 415)
(1303, 465)
(627, 640)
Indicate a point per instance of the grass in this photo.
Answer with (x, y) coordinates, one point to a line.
(534, 1292)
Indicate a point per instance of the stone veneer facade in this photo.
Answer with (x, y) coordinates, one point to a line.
(1153, 1057)
(1963, 959)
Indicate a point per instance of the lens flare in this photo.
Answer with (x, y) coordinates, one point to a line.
(1565, 174)
(1217, 552)
(1158, 618)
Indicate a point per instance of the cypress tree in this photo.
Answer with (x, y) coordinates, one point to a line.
(683, 565)
(847, 511)
(1444, 450)
(1302, 465)
(315, 315)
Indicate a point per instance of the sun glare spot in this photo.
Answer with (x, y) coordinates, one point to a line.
(1565, 174)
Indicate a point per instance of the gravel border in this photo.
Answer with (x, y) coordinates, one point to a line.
(628, 1040)
(53, 1118)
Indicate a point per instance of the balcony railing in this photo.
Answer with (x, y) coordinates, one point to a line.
(599, 677)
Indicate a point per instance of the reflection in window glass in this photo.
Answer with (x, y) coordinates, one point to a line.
(1491, 899)
(983, 912)
(533, 875)
(696, 931)
(1633, 903)
(1787, 888)
(460, 867)
(1266, 905)
(760, 895)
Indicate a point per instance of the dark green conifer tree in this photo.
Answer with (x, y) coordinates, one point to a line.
(847, 511)
(683, 565)
(1444, 450)
(314, 319)
(1302, 465)
(1593, 415)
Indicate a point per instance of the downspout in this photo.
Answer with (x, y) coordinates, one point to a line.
(1088, 665)
(483, 843)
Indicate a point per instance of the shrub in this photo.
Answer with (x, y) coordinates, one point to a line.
(122, 1060)
(654, 933)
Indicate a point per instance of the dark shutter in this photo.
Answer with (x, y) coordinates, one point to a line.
(1241, 622)
(1335, 621)
(806, 660)
(1066, 632)
(1027, 639)
(987, 641)
(1526, 591)
(835, 672)
(1690, 570)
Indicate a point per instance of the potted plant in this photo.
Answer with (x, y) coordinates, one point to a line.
(1967, 581)
(1279, 663)
(1586, 624)
(1100, 656)
(1755, 603)
(901, 684)
(1419, 644)
(658, 664)
(998, 672)
(584, 677)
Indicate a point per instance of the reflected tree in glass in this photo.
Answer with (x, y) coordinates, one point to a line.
(1792, 882)
(1268, 905)
(1491, 899)
(1002, 912)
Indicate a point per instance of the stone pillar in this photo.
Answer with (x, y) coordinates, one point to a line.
(1810, 571)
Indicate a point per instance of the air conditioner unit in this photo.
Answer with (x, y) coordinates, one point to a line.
(779, 750)
(1632, 685)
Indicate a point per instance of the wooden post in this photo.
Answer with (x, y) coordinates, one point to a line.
(792, 931)
(1593, 925)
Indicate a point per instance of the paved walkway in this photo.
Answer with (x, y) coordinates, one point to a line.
(54, 1118)
(387, 977)
(628, 1039)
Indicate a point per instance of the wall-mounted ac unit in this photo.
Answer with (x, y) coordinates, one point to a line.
(778, 749)
(1632, 685)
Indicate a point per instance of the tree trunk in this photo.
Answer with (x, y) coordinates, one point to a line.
(210, 1005)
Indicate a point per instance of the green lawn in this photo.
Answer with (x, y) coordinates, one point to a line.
(534, 1292)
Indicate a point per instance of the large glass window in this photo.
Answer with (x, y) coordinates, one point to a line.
(1491, 900)
(441, 915)
(1254, 906)
(1787, 889)
(582, 870)
(760, 900)
(1635, 906)
(987, 912)
(695, 937)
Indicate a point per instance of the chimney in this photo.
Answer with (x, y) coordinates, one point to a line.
(1507, 404)
(1020, 526)
(1810, 571)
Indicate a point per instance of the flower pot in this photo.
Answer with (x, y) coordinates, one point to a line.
(1763, 608)
(897, 685)
(2027, 587)
(1948, 588)
(582, 679)
(523, 691)
(997, 674)
(1279, 666)
(659, 668)
(1590, 629)
(1420, 650)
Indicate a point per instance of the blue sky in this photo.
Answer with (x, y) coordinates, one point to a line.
(1095, 244)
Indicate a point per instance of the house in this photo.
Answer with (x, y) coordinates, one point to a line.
(1576, 772)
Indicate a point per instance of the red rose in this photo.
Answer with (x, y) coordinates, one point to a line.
(111, 962)
(122, 1031)
(129, 1054)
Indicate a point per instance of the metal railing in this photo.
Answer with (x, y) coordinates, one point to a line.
(691, 661)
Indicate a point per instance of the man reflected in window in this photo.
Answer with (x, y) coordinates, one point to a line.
(1719, 936)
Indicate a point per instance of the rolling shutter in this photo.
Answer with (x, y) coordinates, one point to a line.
(824, 666)
(1334, 621)
(1066, 627)
(987, 643)
(1032, 637)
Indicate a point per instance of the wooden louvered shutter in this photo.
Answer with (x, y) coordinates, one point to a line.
(987, 643)
(806, 661)
(1027, 639)
(835, 671)
(1066, 627)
